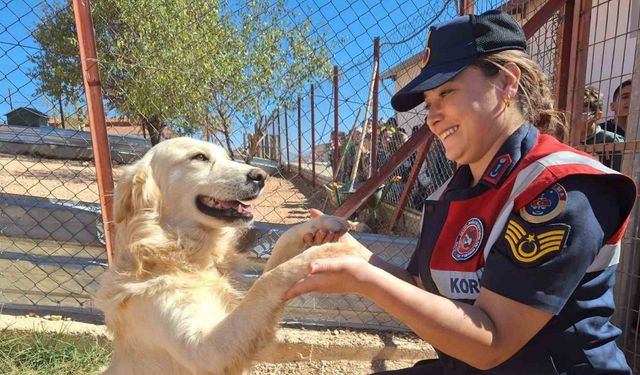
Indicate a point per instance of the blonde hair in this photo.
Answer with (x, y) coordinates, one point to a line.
(534, 96)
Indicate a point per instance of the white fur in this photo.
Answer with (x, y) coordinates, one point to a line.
(168, 298)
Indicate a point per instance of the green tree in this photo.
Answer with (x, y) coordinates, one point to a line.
(185, 64)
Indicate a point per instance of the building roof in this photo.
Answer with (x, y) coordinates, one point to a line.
(401, 67)
(32, 110)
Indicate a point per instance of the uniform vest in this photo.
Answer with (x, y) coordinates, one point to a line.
(456, 256)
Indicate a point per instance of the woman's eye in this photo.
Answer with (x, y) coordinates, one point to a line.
(445, 93)
(200, 157)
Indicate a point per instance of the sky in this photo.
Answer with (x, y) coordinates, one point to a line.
(350, 27)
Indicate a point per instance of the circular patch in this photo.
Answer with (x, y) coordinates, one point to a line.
(546, 206)
(468, 240)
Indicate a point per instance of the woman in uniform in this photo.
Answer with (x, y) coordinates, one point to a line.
(514, 269)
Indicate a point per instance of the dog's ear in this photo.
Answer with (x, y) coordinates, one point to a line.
(136, 191)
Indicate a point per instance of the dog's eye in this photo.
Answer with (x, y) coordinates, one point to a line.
(200, 157)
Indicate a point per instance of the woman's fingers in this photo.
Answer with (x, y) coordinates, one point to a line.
(320, 237)
(330, 275)
(307, 238)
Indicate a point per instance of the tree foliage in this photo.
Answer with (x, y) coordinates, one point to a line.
(185, 63)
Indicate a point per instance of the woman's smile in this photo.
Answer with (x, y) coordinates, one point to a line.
(445, 134)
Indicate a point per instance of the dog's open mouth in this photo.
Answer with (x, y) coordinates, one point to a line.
(219, 208)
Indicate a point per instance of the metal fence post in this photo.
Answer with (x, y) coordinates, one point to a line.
(299, 140)
(286, 137)
(93, 93)
(313, 140)
(279, 141)
(336, 141)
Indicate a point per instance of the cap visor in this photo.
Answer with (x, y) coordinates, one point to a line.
(411, 95)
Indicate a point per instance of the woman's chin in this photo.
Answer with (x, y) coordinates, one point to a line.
(453, 155)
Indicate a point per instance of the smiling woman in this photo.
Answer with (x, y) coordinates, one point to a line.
(514, 269)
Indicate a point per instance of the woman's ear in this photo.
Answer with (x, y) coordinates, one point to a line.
(510, 79)
(136, 191)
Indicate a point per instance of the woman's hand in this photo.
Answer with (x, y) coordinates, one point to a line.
(320, 236)
(343, 275)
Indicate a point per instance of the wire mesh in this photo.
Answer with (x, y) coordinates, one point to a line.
(240, 74)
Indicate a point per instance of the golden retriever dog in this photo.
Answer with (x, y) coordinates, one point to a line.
(169, 298)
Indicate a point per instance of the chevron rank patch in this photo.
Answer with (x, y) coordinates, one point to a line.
(546, 206)
(531, 246)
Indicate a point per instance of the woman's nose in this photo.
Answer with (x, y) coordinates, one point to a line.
(434, 116)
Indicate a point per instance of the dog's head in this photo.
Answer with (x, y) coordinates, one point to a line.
(189, 184)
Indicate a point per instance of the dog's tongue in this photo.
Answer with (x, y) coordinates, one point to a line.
(244, 208)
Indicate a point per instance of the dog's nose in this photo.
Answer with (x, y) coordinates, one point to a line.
(257, 175)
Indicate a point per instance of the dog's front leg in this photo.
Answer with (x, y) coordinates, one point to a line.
(228, 346)
(291, 242)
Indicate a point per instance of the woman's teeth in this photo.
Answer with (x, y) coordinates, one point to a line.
(448, 132)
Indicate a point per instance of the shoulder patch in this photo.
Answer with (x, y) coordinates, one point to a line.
(546, 206)
(498, 168)
(530, 246)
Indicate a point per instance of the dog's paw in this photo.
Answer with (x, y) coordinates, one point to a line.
(331, 226)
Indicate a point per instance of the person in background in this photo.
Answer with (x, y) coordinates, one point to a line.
(592, 133)
(515, 266)
(620, 107)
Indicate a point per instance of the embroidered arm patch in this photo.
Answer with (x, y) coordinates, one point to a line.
(546, 206)
(529, 245)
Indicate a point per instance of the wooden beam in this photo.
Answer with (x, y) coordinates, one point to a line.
(356, 199)
(541, 17)
(408, 186)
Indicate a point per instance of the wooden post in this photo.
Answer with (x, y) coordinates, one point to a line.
(578, 70)
(374, 123)
(408, 186)
(356, 199)
(356, 162)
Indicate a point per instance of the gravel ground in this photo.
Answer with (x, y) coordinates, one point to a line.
(328, 367)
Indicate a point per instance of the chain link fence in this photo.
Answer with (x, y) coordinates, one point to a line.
(275, 83)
